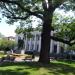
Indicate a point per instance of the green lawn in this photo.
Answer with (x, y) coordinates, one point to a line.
(35, 68)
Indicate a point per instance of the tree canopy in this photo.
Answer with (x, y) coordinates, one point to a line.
(18, 10)
(64, 26)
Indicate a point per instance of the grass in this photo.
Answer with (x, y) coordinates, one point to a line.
(35, 68)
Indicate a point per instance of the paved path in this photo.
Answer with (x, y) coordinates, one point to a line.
(21, 60)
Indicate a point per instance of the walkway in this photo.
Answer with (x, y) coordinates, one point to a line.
(21, 60)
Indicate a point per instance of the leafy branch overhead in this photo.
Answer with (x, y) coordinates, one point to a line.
(19, 9)
(64, 27)
(16, 9)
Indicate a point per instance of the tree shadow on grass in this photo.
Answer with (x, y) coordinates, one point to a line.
(11, 72)
(28, 65)
(53, 68)
(59, 69)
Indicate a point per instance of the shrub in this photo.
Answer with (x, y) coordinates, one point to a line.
(6, 44)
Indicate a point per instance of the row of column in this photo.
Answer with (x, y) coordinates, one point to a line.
(35, 42)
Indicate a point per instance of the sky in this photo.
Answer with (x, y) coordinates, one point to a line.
(9, 30)
(6, 29)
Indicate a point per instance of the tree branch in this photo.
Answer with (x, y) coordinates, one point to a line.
(73, 38)
(24, 9)
(72, 43)
(58, 3)
(60, 40)
(9, 11)
(14, 17)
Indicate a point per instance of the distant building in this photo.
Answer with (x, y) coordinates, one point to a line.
(10, 38)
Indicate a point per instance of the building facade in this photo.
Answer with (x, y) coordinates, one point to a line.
(34, 42)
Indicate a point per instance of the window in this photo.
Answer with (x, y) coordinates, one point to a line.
(32, 46)
(33, 37)
(24, 37)
(37, 37)
(37, 47)
(61, 50)
(27, 47)
(55, 49)
(19, 37)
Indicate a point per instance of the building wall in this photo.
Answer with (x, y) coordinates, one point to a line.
(34, 43)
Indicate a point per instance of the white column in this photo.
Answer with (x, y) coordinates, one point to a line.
(58, 47)
(52, 43)
(26, 42)
(35, 42)
(51, 46)
(39, 44)
(30, 44)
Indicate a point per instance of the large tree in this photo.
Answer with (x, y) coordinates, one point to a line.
(16, 10)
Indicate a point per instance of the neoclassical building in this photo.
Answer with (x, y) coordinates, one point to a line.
(34, 43)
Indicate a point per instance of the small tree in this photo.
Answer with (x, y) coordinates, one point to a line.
(7, 45)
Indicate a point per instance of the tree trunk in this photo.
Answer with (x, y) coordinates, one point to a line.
(45, 38)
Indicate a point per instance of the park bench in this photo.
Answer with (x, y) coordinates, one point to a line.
(23, 56)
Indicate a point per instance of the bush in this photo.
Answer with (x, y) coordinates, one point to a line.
(6, 44)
